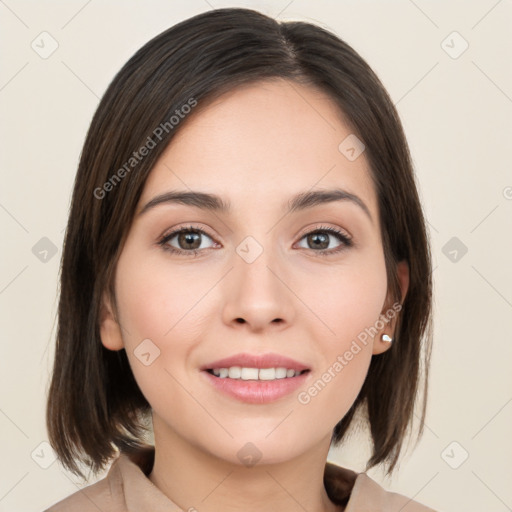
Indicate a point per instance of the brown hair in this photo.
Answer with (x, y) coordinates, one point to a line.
(95, 406)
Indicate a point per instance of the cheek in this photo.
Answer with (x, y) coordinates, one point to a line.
(349, 306)
(347, 299)
(161, 309)
(158, 299)
(356, 304)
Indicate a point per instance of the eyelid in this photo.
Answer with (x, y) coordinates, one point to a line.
(186, 227)
(323, 227)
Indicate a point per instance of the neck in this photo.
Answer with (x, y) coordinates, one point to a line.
(195, 479)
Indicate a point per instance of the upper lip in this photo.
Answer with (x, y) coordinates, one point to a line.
(270, 360)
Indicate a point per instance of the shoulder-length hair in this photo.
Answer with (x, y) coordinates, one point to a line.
(94, 406)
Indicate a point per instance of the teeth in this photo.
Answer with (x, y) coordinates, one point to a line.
(237, 372)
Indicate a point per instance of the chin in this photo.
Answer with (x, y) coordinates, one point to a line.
(254, 447)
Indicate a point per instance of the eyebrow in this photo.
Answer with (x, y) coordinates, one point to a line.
(214, 203)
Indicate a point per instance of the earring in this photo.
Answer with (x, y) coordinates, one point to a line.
(387, 338)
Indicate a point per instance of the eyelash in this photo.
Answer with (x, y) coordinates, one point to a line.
(347, 242)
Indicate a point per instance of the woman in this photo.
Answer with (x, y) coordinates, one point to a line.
(246, 266)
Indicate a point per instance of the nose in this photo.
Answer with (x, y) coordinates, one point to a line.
(257, 294)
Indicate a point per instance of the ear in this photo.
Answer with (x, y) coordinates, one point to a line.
(379, 345)
(110, 330)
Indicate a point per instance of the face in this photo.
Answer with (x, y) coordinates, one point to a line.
(254, 279)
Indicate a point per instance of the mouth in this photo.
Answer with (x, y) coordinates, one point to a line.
(255, 391)
(256, 378)
(248, 366)
(256, 374)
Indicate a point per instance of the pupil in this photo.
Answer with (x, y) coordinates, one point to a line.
(190, 238)
(323, 242)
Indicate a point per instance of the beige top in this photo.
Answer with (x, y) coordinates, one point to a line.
(127, 488)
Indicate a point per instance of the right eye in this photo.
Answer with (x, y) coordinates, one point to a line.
(188, 240)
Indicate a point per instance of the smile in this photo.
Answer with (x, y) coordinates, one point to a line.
(237, 372)
(256, 385)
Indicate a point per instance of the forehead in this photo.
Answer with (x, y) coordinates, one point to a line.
(262, 141)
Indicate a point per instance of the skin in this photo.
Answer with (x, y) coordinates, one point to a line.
(256, 146)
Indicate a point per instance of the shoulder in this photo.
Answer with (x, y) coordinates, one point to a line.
(357, 492)
(371, 496)
(106, 494)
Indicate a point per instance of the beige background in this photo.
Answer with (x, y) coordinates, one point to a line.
(457, 114)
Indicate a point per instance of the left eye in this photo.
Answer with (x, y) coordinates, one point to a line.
(319, 239)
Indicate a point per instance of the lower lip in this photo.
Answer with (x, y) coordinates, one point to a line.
(257, 391)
